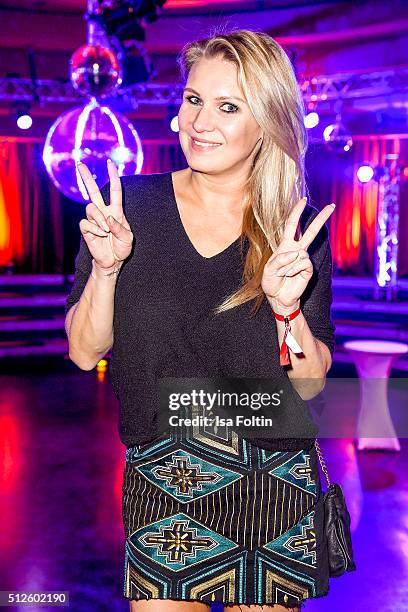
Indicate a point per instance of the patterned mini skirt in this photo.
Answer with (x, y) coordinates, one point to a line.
(210, 519)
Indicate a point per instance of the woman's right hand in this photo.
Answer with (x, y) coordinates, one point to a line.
(106, 230)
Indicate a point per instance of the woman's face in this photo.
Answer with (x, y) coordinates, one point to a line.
(227, 121)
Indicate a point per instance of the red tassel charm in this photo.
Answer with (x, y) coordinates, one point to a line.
(284, 357)
(284, 349)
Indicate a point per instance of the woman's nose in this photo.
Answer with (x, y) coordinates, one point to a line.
(204, 120)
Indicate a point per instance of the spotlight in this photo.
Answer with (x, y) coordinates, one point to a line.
(327, 131)
(136, 63)
(127, 19)
(23, 117)
(365, 173)
(337, 137)
(172, 117)
(311, 120)
(174, 124)
(24, 121)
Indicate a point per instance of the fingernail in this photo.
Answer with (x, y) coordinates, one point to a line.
(332, 204)
(110, 161)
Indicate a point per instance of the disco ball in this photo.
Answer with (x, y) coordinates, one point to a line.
(90, 134)
(95, 70)
(338, 138)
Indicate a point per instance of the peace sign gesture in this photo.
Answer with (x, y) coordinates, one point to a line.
(288, 271)
(106, 229)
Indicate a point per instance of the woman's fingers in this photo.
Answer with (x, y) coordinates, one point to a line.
(316, 225)
(293, 219)
(116, 207)
(119, 231)
(88, 227)
(302, 264)
(281, 259)
(301, 253)
(94, 214)
(91, 186)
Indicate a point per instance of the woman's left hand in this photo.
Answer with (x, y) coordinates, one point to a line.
(288, 271)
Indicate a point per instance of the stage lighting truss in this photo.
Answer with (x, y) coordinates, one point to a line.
(328, 88)
(354, 85)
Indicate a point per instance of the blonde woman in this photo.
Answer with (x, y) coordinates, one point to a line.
(199, 273)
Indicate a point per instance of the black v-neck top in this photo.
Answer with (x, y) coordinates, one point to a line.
(163, 322)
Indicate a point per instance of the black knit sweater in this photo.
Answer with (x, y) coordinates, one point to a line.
(163, 322)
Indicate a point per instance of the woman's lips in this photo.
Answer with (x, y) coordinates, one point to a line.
(203, 147)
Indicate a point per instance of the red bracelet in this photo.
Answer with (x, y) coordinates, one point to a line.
(284, 350)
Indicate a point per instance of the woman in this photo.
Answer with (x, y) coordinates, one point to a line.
(194, 274)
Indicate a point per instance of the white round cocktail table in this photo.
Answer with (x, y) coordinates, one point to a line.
(374, 360)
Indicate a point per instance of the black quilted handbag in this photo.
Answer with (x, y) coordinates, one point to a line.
(336, 525)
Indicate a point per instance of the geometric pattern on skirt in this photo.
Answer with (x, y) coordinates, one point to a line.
(215, 518)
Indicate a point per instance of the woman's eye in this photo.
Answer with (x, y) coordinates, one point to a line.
(234, 108)
(189, 98)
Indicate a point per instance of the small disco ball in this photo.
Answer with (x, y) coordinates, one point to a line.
(90, 134)
(95, 71)
(338, 138)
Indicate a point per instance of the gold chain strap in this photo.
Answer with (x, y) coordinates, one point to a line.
(322, 461)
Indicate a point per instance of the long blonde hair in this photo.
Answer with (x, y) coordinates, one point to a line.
(277, 178)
